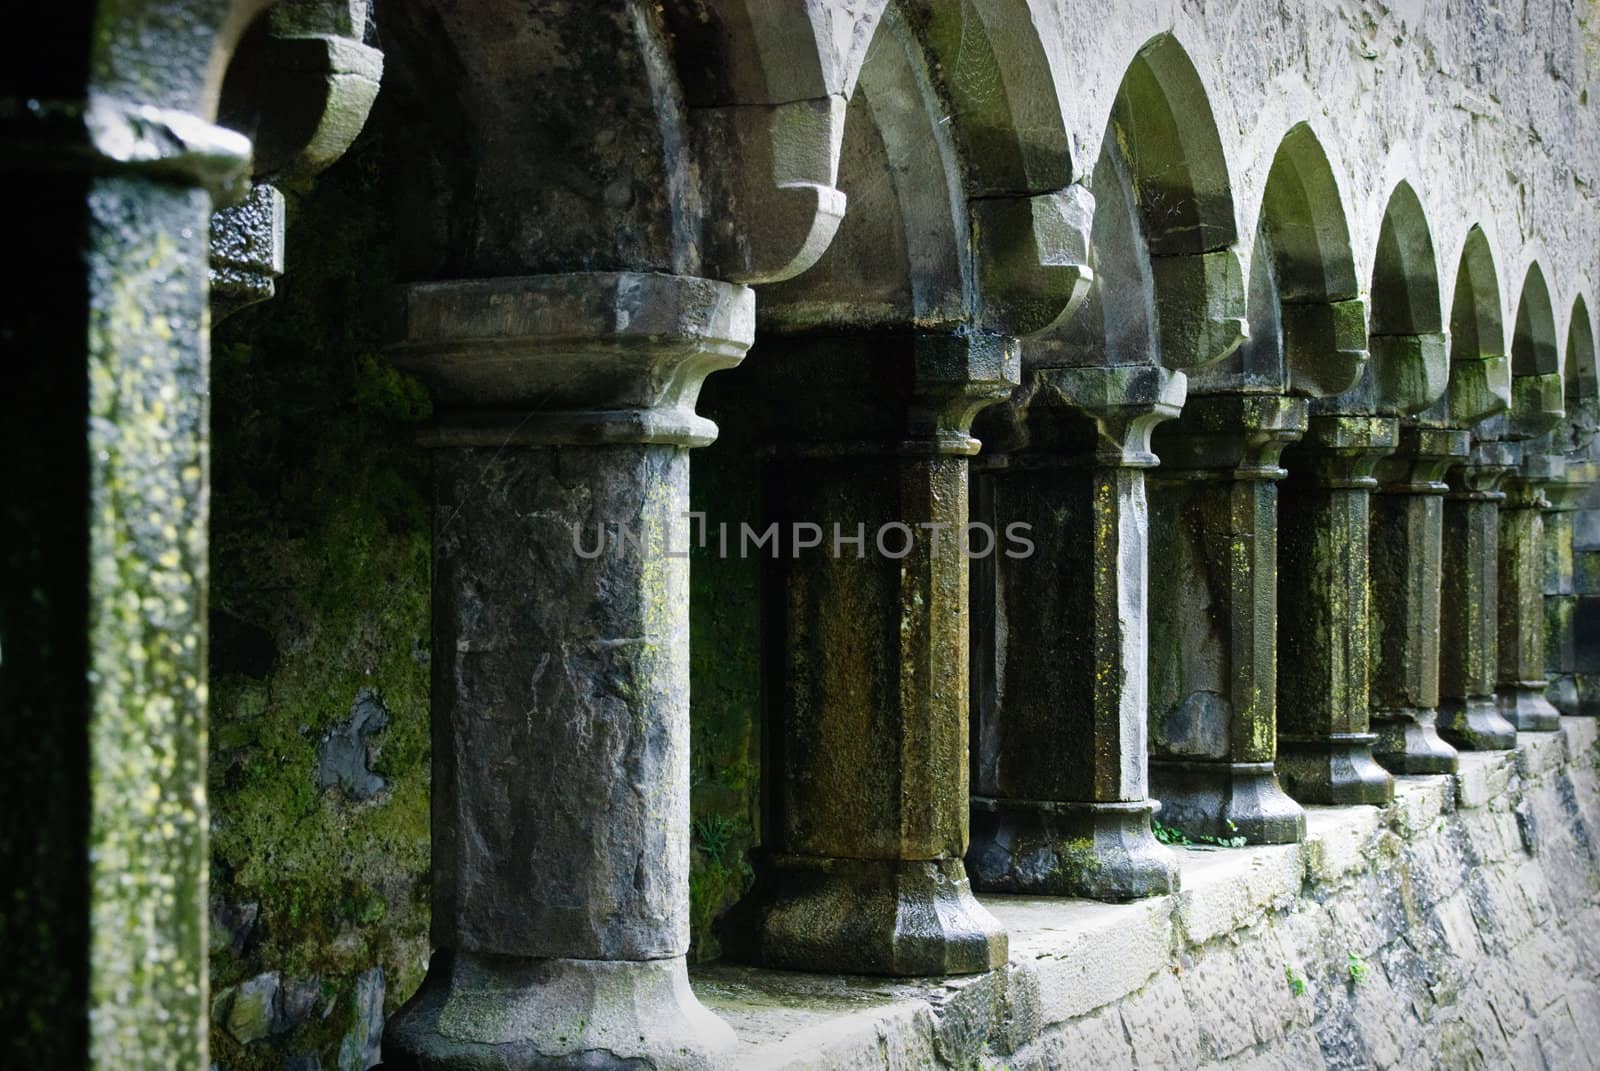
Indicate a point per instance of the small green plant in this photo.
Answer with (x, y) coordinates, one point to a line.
(1358, 969)
(1168, 835)
(1297, 981)
(712, 833)
(1178, 838)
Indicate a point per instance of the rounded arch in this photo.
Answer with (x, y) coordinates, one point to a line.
(1307, 329)
(1581, 380)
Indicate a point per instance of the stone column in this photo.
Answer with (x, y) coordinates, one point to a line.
(1560, 588)
(1324, 673)
(560, 803)
(866, 647)
(1213, 618)
(109, 189)
(1469, 605)
(1521, 678)
(1062, 804)
(1406, 548)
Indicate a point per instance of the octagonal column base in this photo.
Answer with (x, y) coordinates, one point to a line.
(1227, 799)
(1409, 742)
(871, 916)
(1336, 769)
(1524, 705)
(1562, 692)
(480, 1012)
(1105, 851)
(1475, 724)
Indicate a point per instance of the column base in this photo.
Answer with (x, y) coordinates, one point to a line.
(1475, 724)
(1523, 705)
(1227, 799)
(1409, 742)
(477, 1012)
(1334, 769)
(1562, 693)
(869, 916)
(1105, 851)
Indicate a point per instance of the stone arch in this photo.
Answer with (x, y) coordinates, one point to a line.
(1536, 387)
(1581, 388)
(1307, 323)
(959, 174)
(1480, 371)
(1410, 366)
(1165, 222)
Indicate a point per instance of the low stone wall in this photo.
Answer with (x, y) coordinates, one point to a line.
(1457, 927)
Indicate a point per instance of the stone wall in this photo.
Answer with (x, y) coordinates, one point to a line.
(1457, 927)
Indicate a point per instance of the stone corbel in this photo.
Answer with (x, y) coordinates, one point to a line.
(1032, 257)
(1325, 346)
(1126, 403)
(1201, 300)
(592, 358)
(957, 377)
(246, 251)
(1480, 387)
(1243, 433)
(1536, 405)
(774, 204)
(1411, 371)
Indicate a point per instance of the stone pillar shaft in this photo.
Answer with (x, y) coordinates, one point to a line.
(1469, 604)
(1213, 614)
(1062, 800)
(1521, 681)
(560, 676)
(1406, 549)
(866, 642)
(1560, 590)
(1324, 739)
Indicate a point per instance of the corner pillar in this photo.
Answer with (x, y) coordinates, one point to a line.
(1521, 681)
(1062, 804)
(1469, 718)
(1406, 551)
(560, 808)
(866, 647)
(1324, 737)
(1213, 618)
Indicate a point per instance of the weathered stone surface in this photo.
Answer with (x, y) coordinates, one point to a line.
(1469, 718)
(1324, 646)
(1405, 551)
(346, 751)
(1060, 791)
(1520, 680)
(1213, 618)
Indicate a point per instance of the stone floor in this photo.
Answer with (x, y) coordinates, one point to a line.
(1457, 927)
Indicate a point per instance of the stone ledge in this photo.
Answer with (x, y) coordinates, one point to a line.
(1070, 958)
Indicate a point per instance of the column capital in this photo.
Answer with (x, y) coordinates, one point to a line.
(1486, 466)
(955, 378)
(587, 357)
(1344, 450)
(1566, 493)
(1126, 402)
(1422, 457)
(1242, 434)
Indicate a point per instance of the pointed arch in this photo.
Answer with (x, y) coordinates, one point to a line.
(1410, 365)
(1480, 370)
(1307, 323)
(1163, 180)
(1536, 388)
(1581, 380)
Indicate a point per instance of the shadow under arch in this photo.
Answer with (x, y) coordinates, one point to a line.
(1170, 289)
(1582, 388)
(1480, 370)
(1307, 323)
(1536, 387)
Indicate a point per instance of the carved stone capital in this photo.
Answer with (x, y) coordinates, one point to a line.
(1536, 405)
(1479, 387)
(1325, 346)
(1344, 450)
(1422, 457)
(1410, 371)
(1126, 402)
(591, 357)
(1480, 476)
(246, 252)
(957, 376)
(1032, 255)
(1202, 307)
(1242, 434)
